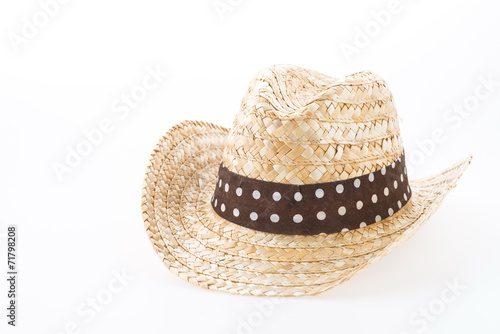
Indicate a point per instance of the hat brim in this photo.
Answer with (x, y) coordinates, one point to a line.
(204, 249)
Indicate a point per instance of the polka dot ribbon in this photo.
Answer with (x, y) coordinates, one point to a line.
(312, 208)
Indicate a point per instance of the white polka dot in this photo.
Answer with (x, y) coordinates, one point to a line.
(395, 184)
(374, 198)
(226, 187)
(405, 171)
(378, 218)
(297, 196)
(276, 196)
(297, 218)
(359, 205)
(256, 194)
(386, 191)
(371, 177)
(212, 198)
(222, 207)
(220, 183)
(357, 183)
(402, 178)
(390, 211)
(383, 170)
(236, 212)
(254, 216)
(363, 224)
(405, 197)
(319, 193)
(215, 203)
(340, 188)
(408, 189)
(275, 218)
(239, 191)
(345, 229)
(342, 210)
(393, 165)
(321, 215)
(399, 204)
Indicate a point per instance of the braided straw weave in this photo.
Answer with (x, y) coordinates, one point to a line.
(295, 126)
(298, 126)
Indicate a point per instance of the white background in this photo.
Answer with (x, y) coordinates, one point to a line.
(75, 233)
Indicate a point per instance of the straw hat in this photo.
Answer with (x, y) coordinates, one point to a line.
(307, 188)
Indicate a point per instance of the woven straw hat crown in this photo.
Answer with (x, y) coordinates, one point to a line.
(298, 126)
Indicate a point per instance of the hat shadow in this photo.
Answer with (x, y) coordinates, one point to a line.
(402, 273)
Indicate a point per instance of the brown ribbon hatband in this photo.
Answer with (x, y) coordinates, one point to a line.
(312, 208)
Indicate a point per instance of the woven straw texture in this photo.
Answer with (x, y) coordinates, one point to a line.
(204, 249)
(298, 126)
